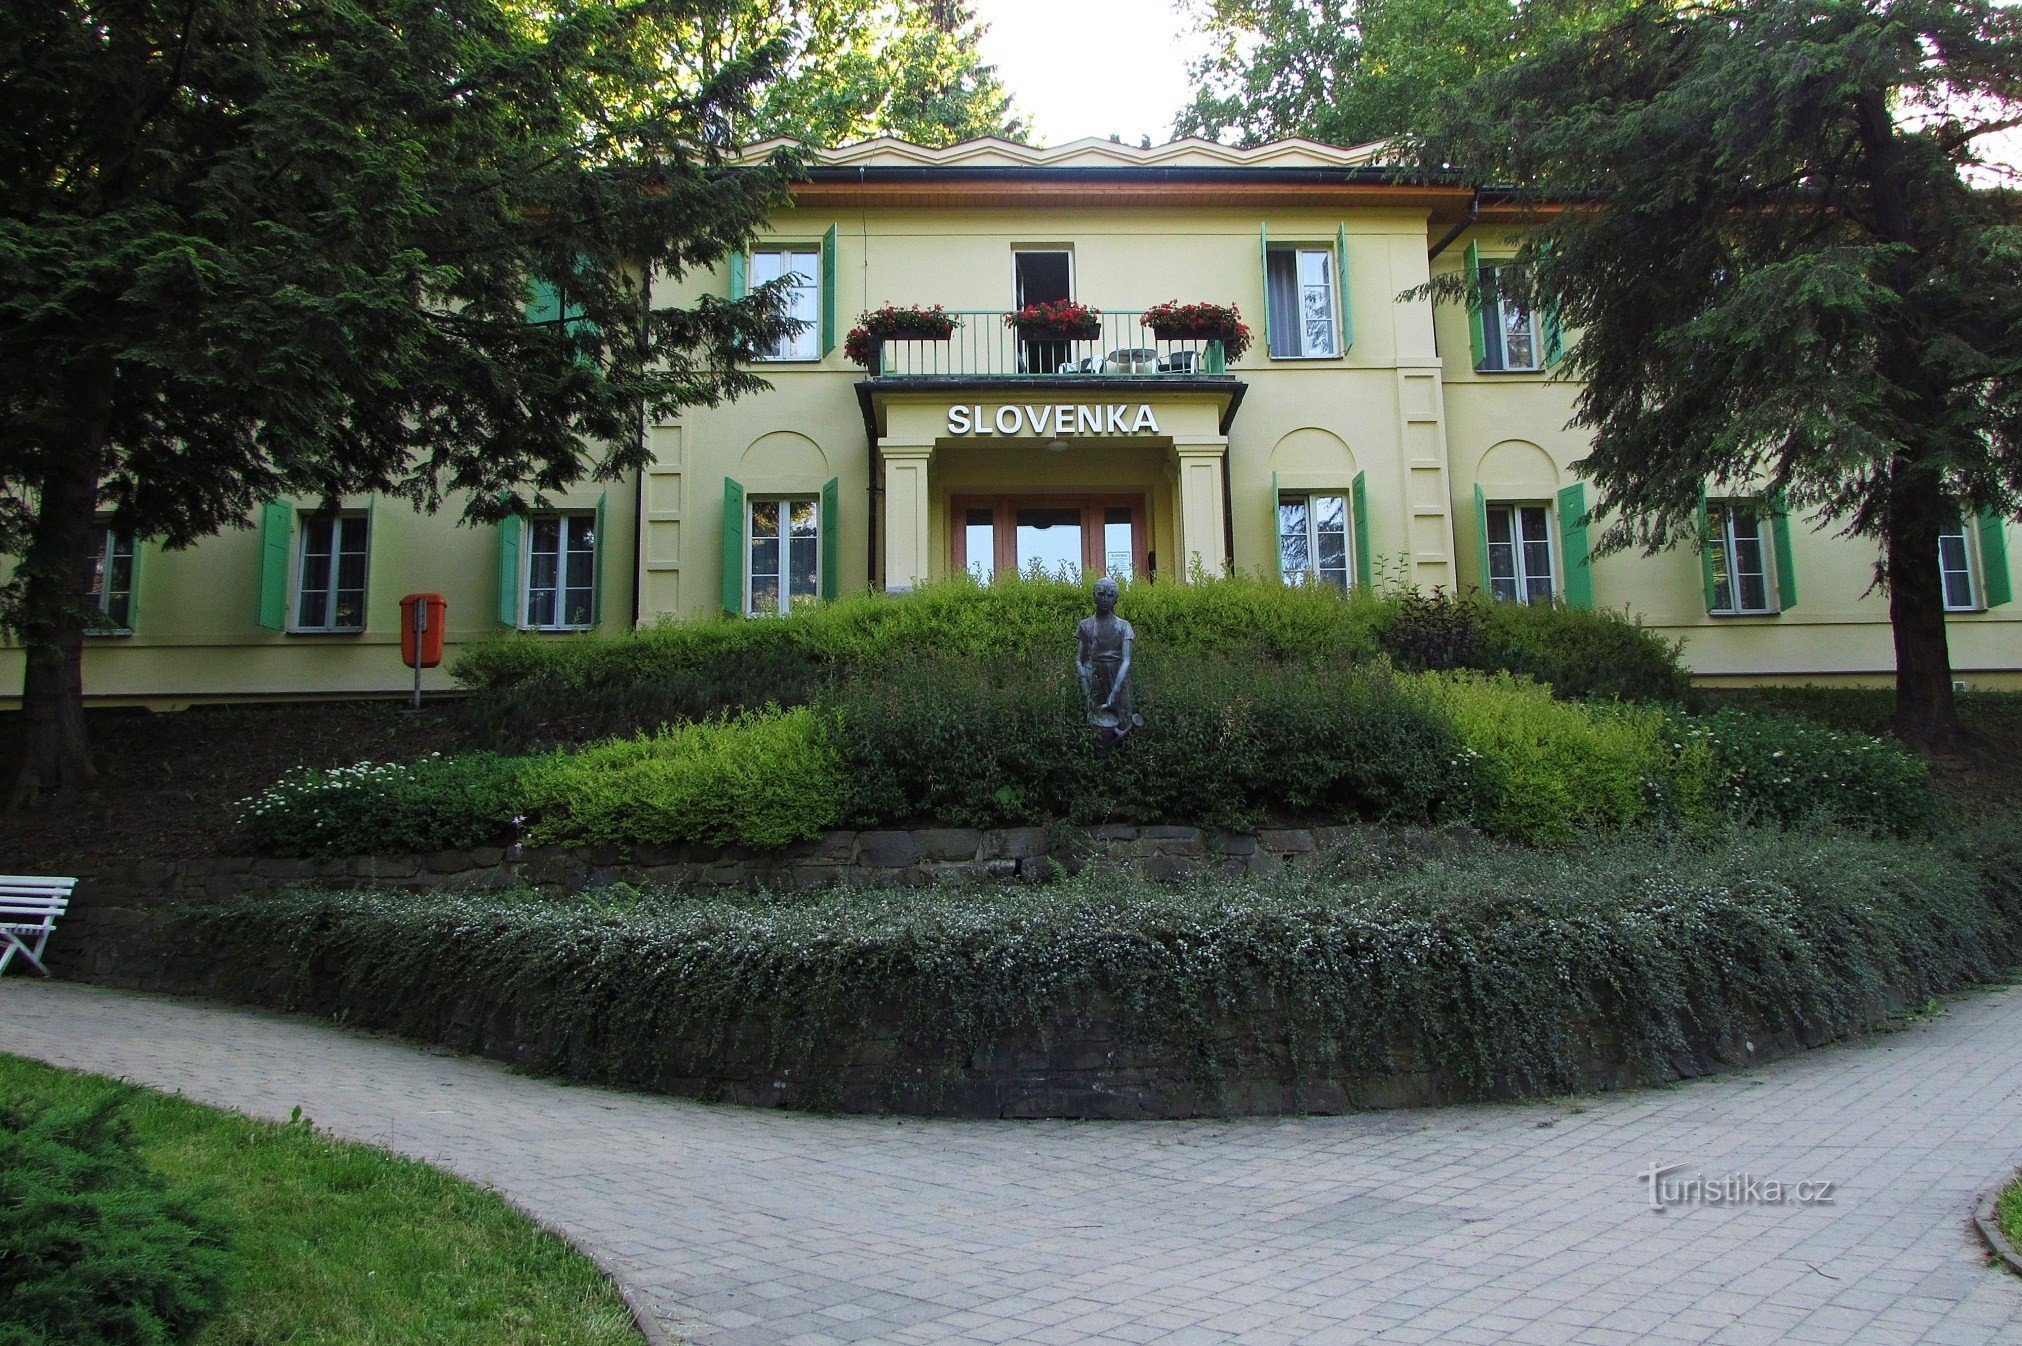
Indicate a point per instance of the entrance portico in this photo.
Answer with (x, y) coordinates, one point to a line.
(1068, 473)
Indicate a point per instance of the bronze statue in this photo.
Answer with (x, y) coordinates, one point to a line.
(1102, 660)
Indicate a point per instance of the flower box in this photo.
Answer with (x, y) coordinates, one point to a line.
(1062, 320)
(874, 328)
(1174, 321)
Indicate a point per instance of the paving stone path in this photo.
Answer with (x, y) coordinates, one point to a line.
(1506, 1223)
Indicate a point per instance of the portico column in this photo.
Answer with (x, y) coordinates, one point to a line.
(1202, 534)
(906, 515)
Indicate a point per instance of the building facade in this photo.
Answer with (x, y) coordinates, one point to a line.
(1367, 436)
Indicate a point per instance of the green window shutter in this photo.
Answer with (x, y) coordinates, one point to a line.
(733, 548)
(831, 539)
(546, 304)
(1341, 278)
(1786, 569)
(1578, 588)
(277, 532)
(1477, 334)
(1706, 546)
(738, 286)
(828, 291)
(1481, 535)
(597, 579)
(511, 536)
(1264, 260)
(1995, 585)
(1555, 344)
(1358, 506)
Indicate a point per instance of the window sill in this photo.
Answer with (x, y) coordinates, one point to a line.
(110, 633)
(324, 631)
(1306, 359)
(557, 630)
(1729, 613)
(1513, 373)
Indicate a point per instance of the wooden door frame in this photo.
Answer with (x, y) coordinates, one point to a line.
(1003, 507)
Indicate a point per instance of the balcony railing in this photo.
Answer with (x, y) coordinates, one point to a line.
(983, 347)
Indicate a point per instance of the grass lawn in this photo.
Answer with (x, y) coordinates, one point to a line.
(2008, 1211)
(344, 1243)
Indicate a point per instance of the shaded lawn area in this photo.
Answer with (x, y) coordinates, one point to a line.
(341, 1243)
(2008, 1212)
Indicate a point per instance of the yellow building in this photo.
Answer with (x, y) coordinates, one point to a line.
(1363, 438)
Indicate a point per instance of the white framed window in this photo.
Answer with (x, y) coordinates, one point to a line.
(1955, 569)
(803, 299)
(1739, 555)
(1313, 542)
(111, 583)
(1304, 307)
(561, 572)
(785, 542)
(330, 573)
(1511, 336)
(1520, 553)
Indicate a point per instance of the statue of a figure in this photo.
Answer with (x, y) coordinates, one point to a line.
(1102, 659)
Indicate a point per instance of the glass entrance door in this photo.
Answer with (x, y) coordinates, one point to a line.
(1059, 537)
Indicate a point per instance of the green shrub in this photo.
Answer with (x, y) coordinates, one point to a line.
(1534, 769)
(93, 1247)
(1776, 768)
(437, 803)
(764, 779)
(970, 743)
(535, 689)
(1503, 970)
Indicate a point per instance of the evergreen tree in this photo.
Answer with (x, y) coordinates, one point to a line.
(250, 248)
(1788, 265)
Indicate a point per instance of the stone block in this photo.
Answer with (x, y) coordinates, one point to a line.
(1013, 843)
(1285, 840)
(886, 850)
(1114, 832)
(948, 843)
(1232, 843)
(448, 862)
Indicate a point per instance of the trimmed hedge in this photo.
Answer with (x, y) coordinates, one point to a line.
(766, 780)
(94, 1248)
(1229, 743)
(1505, 971)
(532, 689)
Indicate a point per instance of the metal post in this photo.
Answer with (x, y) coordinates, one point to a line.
(420, 626)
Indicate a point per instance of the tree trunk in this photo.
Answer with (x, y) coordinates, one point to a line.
(1926, 713)
(55, 756)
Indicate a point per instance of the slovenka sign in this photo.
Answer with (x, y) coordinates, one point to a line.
(1053, 419)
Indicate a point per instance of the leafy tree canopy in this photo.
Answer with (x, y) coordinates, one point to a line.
(250, 248)
(1352, 71)
(1790, 266)
(854, 69)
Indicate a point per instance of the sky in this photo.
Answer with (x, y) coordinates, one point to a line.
(1091, 67)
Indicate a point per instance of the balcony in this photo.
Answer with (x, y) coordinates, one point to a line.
(982, 347)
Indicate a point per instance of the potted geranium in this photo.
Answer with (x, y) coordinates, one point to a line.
(1062, 319)
(895, 322)
(1174, 321)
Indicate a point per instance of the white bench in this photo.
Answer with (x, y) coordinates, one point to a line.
(29, 906)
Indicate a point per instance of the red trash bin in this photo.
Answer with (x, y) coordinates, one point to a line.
(422, 619)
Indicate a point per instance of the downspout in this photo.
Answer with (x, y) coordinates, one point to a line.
(1473, 210)
(1228, 519)
(639, 476)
